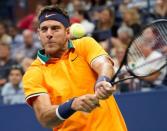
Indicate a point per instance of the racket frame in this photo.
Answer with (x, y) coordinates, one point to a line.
(125, 59)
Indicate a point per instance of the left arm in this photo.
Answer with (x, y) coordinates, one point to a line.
(101, 63)
(103, 66)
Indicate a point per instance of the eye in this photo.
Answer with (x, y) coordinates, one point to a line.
(44, 29)
(55, 28)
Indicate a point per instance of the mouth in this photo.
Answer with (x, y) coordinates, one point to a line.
(50, 43)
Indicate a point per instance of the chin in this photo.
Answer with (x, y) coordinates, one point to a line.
(50, 52)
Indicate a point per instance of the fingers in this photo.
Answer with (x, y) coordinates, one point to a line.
(85, 103)
(104, 90)
(101, 93)
(88, 105)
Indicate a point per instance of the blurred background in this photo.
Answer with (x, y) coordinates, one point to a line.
(113, 23)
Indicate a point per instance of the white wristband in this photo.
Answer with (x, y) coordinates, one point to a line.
(58, 115)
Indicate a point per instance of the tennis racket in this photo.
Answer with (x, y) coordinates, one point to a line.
(146, 53)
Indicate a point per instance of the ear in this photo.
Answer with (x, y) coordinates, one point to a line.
(68, 32)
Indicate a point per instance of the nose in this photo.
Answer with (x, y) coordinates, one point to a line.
(49, 34)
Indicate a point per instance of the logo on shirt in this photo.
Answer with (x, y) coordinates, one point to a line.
(74, 58)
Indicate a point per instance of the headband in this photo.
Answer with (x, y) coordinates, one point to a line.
(54, 16)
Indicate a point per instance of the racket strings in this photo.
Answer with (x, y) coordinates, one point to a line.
(144, 65)
(139, 60)
(162, 34)
(135, 52)
(157, 42)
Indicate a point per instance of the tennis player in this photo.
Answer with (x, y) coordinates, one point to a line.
(68, 84)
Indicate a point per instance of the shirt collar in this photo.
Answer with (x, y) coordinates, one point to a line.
(44, 58)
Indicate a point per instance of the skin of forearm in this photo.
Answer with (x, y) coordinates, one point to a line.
(46, 112)
(103, 67)
(48, 117)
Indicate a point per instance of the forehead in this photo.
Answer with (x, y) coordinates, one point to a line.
(15, 71)
(49, 23)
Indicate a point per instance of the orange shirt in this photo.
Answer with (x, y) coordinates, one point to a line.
(72, 76)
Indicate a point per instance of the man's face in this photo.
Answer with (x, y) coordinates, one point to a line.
(105, 16)
(15, 76)
(5, 51)
(28, 38)
(148, 34)
(54, 36)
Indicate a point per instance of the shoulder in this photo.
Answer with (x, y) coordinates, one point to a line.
(6, 88)
(34, 68)
(155, 54)
(84, 43)
(83, 40)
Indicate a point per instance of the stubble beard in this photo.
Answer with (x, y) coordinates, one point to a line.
(56, 52)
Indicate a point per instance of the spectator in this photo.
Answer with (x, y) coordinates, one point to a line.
(68, 5)
(160, 9)
(7, 12)
(156, 80)
(87, 5)
(5, 62)
(125, 35)
(17, 38)
(28, 21)
(26, 62)
(123, 6)
(29, 47)
(131, 18)
(82, 16)
(4, 37)
(75, 6)
(12, 91)
(105, 26)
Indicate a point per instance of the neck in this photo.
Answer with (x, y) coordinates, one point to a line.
(60, 52)
(28, 45)
(16, 86)
(105, 25)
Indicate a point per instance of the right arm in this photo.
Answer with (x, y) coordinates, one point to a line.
(152, 77)
(46, 112)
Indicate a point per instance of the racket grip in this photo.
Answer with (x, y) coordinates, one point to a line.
(101, 78)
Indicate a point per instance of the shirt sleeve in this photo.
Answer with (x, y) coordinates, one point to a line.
(91, 49)
(33, 84)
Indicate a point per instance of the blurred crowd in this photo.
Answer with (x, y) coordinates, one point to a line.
(113, 23)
